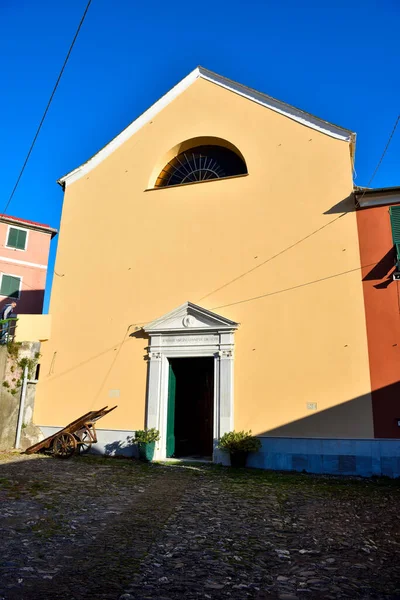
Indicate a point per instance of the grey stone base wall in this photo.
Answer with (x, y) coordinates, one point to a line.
(330, 456)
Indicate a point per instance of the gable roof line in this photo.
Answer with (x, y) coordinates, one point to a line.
(288, 110)
(278, 106)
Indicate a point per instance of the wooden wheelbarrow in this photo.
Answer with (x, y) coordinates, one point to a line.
(77, 436)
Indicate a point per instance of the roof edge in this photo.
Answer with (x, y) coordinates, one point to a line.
(278, 106)
(288, 110)
(29, 224)
(368, 197)
(383, 190)
(130, 130)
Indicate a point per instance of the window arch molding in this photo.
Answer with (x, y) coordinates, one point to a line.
(192, 144)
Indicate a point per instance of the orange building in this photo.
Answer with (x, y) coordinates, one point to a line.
(378, 219)
(211, 280)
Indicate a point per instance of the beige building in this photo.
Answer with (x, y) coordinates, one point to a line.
(209, 279)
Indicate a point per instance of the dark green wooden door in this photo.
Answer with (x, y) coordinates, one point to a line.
(171, 413)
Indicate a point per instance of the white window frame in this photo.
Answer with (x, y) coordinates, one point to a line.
(26, 239)
(20, 285)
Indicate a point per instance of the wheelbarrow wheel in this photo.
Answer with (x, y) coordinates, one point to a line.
(64, 446)
(85, 443)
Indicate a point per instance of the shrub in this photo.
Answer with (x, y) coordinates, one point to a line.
(239, 441)
(30, 363)
(14, 348)
(146, 436)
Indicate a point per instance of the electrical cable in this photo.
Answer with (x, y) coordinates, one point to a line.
(312, 233)
(46, 109)
(272, 257)
(380, 160)
(295, 287)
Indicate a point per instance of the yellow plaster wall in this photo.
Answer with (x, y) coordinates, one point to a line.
(127, 256)
(33, 328)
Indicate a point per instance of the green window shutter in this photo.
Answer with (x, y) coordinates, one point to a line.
(394, 212)
(10, 286)
(12, 237)
(16, 238)
(21, 239)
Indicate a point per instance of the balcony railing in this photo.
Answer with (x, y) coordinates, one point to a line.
(7, 330)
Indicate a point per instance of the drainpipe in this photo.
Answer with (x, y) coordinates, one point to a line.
(21, 407)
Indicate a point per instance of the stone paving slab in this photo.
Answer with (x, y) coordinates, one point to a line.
(109, 529)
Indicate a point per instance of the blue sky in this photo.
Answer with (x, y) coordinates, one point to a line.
(338, 60)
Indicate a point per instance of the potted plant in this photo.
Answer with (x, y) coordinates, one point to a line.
(239, 444)
(146, 440)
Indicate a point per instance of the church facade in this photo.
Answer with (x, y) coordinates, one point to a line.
(209, 279)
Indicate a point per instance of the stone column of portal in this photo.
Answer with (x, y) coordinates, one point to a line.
(154, 392)
(225, 391)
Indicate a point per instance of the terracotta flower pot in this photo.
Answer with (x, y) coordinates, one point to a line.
(238, 459)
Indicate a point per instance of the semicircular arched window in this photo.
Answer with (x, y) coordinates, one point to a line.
(201, 163)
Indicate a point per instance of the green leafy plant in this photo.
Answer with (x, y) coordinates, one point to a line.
(30, 363)
(146, 436)
(14, 348)
(239, 441)
(17, 366)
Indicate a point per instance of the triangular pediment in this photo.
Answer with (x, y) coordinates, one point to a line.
(268, 102)
(190, 317)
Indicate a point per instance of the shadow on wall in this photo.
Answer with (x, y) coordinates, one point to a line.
(30, 302)
(121, 448)
(383, 269)
(327, 441)
(341, 421)
(344, 206)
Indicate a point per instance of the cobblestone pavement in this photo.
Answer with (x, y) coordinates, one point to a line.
(116, 529)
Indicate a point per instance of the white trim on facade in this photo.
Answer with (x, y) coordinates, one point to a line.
(24, 263)
(186, 332)
(296, 114)
(16, 277)
(282, 108)
(26, 239)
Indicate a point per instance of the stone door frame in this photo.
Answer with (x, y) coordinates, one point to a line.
(189, 332)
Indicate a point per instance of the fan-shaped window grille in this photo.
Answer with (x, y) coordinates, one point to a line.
(201, 163)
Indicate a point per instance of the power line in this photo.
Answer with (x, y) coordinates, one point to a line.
(381, 159)
(47, 108)
(272, 257)
(313, 232)
(295, 287)
(385, 150)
